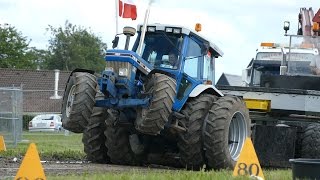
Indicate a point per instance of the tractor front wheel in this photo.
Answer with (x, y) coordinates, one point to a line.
(78, 101)
(117, 141)
(151, 120)
(93, 137)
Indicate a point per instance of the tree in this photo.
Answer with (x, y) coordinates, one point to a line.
(14, 49)
(74, 47)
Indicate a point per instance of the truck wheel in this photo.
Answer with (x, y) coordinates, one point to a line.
(226, 128)
(93, 137)
(117, 141)
(310, 145)
(151, 120)
(78, 101)
(190, 142)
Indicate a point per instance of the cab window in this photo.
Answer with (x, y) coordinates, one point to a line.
(208, 68)
(193, 60)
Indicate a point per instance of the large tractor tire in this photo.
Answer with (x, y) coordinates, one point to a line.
(117, 141)
(151, 120)
(78, 101)
(226, 128)
(190, 142)
(310, 145)
(93, 137)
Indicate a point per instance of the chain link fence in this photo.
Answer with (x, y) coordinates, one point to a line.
(42, 102)
(11, 110)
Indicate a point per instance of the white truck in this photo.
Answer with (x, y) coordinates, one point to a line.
(283, 97)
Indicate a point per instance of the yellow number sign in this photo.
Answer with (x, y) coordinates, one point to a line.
(248, 163)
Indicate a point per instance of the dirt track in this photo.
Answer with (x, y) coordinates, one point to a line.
(8, 169)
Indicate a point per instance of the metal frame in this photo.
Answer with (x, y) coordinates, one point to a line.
(305, 103)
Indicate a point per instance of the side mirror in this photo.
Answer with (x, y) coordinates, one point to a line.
(115, 42)
(104, 49)
(286, 26)
(246, 75)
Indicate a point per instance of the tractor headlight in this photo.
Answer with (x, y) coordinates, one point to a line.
(168, 29)
(177, 30)
(109, 69)
(123, 72)
(151, 29)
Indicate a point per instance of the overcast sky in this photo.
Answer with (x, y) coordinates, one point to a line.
(236, 26)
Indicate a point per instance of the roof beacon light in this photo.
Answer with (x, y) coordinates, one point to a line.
(315, 27)
(267, 44)
(197, 27)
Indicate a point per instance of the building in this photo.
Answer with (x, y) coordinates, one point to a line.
(229, 80)
(39, 92)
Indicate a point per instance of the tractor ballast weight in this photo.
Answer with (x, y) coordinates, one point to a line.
(159, 101)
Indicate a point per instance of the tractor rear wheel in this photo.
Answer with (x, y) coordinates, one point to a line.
(226, 128)
(78, 101)
(190, 142)
(151, 120)
(117, 141)
(310, 145)
(93, 136)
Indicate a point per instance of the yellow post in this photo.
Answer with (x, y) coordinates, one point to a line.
(2, 144)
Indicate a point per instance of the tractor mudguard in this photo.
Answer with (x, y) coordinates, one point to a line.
(82, 70)
(78, 70)
(161, 72)
(205, 88)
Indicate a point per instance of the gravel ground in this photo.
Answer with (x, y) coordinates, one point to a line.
(9, 168)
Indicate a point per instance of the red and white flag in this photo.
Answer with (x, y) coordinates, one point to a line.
(127, 9)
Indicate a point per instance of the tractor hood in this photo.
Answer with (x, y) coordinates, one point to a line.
(129, 56)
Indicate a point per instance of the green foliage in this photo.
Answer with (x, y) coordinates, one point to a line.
(14, 49)
(25, 121)
(74, 47)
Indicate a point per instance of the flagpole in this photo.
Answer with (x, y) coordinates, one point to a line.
(144, 28)
(117, 16)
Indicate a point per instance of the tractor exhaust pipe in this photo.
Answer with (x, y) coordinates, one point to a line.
(56, 83)
(128, 31)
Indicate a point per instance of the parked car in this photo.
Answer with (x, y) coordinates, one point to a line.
(46, 122)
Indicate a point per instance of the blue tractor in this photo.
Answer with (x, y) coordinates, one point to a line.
(157, 99)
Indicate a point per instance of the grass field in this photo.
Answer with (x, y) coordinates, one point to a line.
(49, 145)
(58, 146)
(177, 175)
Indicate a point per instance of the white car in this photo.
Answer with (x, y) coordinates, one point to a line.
(46, 122)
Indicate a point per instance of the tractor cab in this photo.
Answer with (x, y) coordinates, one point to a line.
(175, 51)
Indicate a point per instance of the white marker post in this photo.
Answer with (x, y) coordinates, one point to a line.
(144, 27)
(117, 16)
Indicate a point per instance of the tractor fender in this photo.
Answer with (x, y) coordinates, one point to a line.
(79, 70)
(82, 70)
(161, 72)
(210, 89)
